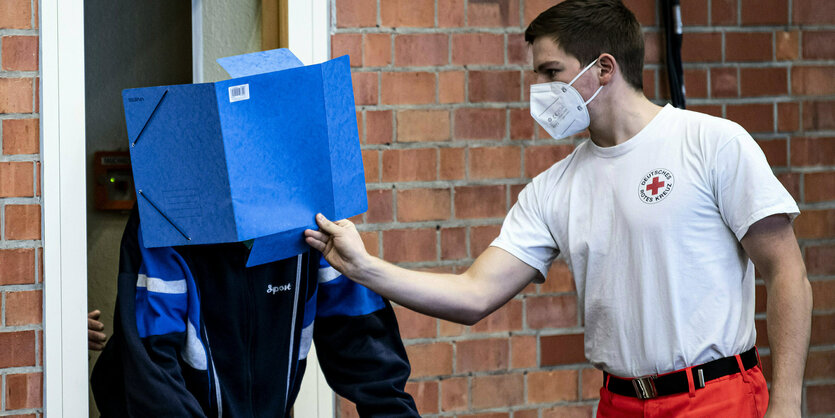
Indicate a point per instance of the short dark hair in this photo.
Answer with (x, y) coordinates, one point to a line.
(587, 28)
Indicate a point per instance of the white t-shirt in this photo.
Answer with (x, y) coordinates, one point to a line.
(650, 229)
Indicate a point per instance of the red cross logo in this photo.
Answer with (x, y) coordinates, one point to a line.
(655, 185)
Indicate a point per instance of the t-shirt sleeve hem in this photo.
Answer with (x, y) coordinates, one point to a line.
(789, 209)
(524, 257)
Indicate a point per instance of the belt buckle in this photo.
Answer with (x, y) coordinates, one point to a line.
(645, 387)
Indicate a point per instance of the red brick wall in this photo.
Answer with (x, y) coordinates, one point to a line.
(21, 250)
(441, 94)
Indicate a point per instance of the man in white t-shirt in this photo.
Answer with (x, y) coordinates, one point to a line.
(661, 217)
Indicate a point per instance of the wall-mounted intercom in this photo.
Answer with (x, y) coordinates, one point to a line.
(114, 180)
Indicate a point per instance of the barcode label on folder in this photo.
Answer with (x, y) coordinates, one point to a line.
(238, 93)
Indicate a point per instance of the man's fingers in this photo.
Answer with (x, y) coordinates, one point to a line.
(96, 336)
(315, 243)
(94, 314)
(326, 225)
(95, 340)
(317, 235)
(92, 324)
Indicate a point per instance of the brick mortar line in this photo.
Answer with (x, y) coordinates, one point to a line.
(20, 370)
(442, 68)
(450, 30)
(822, 312)
(20, 32)
(823, 278)
(816, 133)
(391, 68)
(475, 336)
(775, 28)
(520, 370)
(438, 184)
(449, 223)
(808, 169)
(20, 75)
(822, 348)
(519, 30)
(783, 98)
(447, 106)
(752, 64)
(21, 328)
(19, 244)
(826, 205)
(542, 332)
(449, 187)
(451, 107)
(817, 242)
(513, 408)
(771, 99)
(33, 115)
(20, 200)
(38, 337)
(4, 158)
(18, 412)
(20, 287)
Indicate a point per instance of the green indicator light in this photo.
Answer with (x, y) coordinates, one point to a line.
(112, 180)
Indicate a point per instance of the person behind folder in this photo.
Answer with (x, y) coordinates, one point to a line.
(662, 216)
(197, 333)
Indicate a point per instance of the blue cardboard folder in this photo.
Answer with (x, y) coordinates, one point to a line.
(253, 157)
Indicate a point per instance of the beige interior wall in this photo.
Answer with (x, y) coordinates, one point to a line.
(230, 27)
(127, 44)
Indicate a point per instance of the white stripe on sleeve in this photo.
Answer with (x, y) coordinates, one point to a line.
(161, 286)
(327, 274)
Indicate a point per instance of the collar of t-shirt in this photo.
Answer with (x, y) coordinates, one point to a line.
(631, 143)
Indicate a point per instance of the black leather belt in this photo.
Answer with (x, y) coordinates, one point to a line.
(670, 384)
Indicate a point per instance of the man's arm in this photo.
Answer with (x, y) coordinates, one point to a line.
(494, 278)
(772, 246)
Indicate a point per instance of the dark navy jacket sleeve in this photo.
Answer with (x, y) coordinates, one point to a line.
(359, 347)
(139, 372)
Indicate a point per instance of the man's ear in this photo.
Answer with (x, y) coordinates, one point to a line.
(608, 67)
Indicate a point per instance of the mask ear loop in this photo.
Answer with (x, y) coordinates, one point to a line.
(582, 72)
(593, 95)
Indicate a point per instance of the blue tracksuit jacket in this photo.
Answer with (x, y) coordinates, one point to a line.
(198, 334)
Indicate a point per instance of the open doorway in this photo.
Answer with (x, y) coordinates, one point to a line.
(143, 44)
(126, 45)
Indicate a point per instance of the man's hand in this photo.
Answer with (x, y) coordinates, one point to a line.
(340, 243)
(95, 336)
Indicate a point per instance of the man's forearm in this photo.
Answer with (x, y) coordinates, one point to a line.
(494, 278)
(453, 297)
(789, 322)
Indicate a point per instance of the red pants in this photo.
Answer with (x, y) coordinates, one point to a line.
(738, 395)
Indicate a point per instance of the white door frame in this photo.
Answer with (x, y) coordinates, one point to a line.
(64, 196)
(308, 36)
(64, 202)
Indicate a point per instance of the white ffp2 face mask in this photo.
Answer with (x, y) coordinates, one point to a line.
(559, 108)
